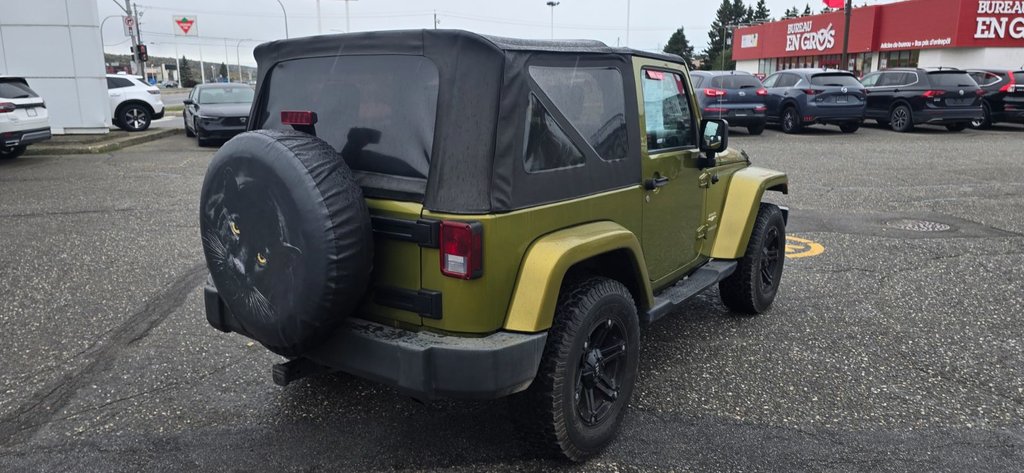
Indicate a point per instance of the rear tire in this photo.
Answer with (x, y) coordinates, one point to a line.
(790, 121)
(12, 152)
(850, 127)
(576, 403)
(956, 127)
(752, 288)
(986, 120)
(901, 119)
(756, 129)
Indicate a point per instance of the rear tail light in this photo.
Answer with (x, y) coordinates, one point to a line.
(298, 117)
(154, 91)
(461, 249)
(762, 92)
(813, 91)
(932, 93)
(714, 92)
(760, 108)
(1010, 86)
(7, 107)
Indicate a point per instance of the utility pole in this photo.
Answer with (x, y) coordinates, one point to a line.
(319, 25)
(133, 33)
(227, 60)
(553, 4)
(846, 36)
(138, 40)
(436, 21)
(348, 27)
(627, 22)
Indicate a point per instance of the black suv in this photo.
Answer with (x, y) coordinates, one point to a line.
(736, 96)
(801, 97)
(902, 98)
(1004, 96)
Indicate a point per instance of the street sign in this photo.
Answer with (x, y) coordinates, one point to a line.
(129, 25)
(185, 25)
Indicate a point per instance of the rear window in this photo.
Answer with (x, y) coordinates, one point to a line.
(951, 79)
(215, 95)
(698, 81)
(735, 81)
(15, 89)
(377, 111)
(835, 80)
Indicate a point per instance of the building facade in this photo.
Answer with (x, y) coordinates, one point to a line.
(913, 33)
(55, 45)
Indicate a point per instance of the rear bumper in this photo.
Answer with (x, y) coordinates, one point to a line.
(423, 364)
(948, 116)
(1008, 116)
(24, 137)
(833, 115)
(737, 116)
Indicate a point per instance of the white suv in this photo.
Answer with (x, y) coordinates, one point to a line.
(134, 104)
(23, 117)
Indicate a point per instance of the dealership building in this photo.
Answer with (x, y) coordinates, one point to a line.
(913, 33)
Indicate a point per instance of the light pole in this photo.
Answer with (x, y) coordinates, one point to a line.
(102, 44)
(846, 36)
(285, 13)
(553, 4)
(627, 23)
(238, 57)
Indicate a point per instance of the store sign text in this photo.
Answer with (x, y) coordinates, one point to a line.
(993, 27)
(801, 37)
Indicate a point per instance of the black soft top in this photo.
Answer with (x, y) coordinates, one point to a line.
(476, 161)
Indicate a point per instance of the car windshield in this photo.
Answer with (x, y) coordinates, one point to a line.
(215, 95)
(15, 89)
(951, 79)
(835, 80)
(735, 81)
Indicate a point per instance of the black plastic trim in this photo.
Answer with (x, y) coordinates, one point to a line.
(422, 232)
(425, 302)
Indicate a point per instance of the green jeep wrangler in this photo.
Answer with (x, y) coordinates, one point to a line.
(465, 216)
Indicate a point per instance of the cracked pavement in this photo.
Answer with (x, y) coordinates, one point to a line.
(892, 350)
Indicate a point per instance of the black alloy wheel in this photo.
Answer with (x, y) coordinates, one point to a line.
(752, 287)
(900, 119)
(985, 122)
(791, 121)
(600, 372)
(771, 258)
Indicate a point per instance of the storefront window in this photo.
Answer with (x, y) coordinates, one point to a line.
(890, 59)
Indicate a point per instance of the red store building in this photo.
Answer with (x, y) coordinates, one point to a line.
(913, 33)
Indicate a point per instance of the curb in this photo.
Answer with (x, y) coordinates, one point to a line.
(102, 146)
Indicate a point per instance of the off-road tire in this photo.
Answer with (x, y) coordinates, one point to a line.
(901, 119)
(745, 291)
(188, 131)
(12, 152)
(956, 127)
(986, 121)
(755, 130)
(548, 412)
(849, 127)
(790, 121)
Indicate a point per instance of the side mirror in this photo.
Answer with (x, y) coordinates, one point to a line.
(714, 138)
(188, 102)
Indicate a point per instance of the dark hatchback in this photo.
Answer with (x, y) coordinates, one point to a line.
(1004, 96)
(217, 111)
(902, 98)
(802, 97)
(735, 96)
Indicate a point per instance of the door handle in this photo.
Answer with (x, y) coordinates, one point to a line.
(656, 182)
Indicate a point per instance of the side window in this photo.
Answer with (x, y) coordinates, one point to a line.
(889, 79)
(770, 81)
(786, 80)
(547, 146)
(593, 101)
(870, 80)
(667, 111)
(908, 78)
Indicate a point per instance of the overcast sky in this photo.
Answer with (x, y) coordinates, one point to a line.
(222, 23)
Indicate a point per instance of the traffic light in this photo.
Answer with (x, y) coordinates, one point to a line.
(143, 53)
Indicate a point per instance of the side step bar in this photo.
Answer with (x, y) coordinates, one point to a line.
(701, 279)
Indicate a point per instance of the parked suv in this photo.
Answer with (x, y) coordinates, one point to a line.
(134, 104)
(23, 117)
(902, 98)
(1003, 100)
(802, 97)
(735, 96)
(457, 215)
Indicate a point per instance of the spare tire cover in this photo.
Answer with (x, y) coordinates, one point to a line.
(287, 237)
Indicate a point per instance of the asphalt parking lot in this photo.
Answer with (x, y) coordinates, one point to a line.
(899, 346)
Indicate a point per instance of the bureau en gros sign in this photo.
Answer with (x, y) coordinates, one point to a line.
(802, 37)
(993, 27)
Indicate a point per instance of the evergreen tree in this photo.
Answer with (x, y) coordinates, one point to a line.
(749, 16)
(185, 78)
(718, 53)
(761, 12)
(678, 44)
(807, 10)
(792, 13)
(223, 71)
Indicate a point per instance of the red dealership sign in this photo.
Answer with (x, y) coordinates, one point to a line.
(914, 24)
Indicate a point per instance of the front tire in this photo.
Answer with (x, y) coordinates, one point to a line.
(12, 152)
(901, 119)
(188, 132)
(577, 400)
(752, 288)
(791, 122)
(986, 120)
(134, 117)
